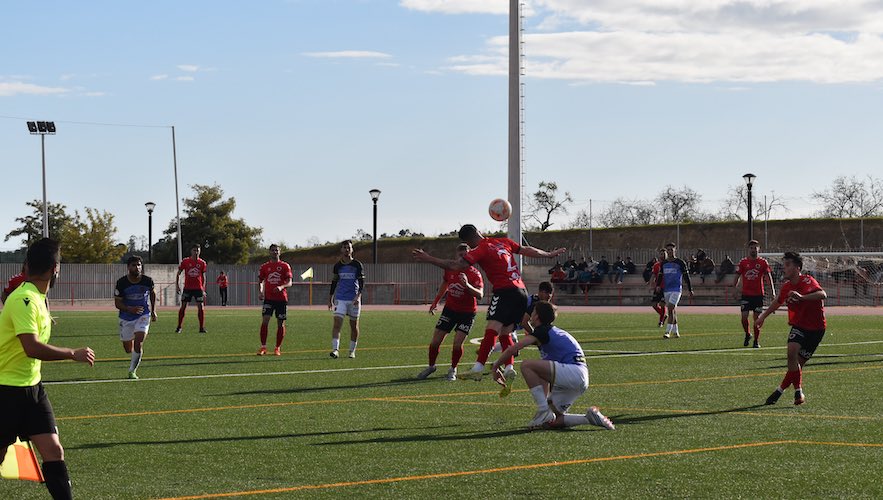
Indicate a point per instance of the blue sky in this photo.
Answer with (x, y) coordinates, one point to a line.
(297, 108)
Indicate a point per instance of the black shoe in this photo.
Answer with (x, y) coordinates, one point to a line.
(756, 345)
(799, 398)
(747, 340)
(773, 398)
(202, 330)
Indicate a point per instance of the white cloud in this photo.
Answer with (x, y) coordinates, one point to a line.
(388, 64)
(349, 54)
(8, 89)
(190, 68)
(159, 77)
(185, 78)
(95, 94)
(645, 41)
(458, 6)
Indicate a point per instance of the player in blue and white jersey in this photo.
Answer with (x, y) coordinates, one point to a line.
(556, 380)
(345, 298)
(135, 298)
(672, 273)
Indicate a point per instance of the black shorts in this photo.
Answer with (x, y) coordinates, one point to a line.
(277, 306)
(657, 297)
(197, 295)
(26, 412)
(751, 303)
(809, 340)
(508, 306)
(453, 320)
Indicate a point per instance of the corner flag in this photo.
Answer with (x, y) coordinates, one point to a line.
(307, 274)
(21, 463)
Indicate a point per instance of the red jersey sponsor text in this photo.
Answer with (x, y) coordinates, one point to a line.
(805, 314)
(459, 299)
(273, 274)
(194, 273)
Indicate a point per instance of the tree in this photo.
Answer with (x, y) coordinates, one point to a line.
(679, 205)
(623, 213)
(91, 241)
(734, 206)
(544, 203)
(208, 221)
(362, 235)
(580, 220)
(32, 225)
(850, 197)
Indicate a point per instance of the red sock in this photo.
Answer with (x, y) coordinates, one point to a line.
(659, 310)
(487, 343)
(798, 379)
(433, 354)
(180, 317)
(263, 334)
(201, 315)
(790, 377)
(456, 354)
(745, 325)
(280, 334)
(505, 342)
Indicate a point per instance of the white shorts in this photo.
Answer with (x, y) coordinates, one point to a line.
(569, 381)
(347, 308)
(129, 328)
(672, 297)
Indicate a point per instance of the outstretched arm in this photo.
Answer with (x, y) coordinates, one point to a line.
(529, 251)
(459, 264)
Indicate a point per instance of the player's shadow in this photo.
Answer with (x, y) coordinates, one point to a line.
(817, 361)
(112, 444)
(302, 390)
(461, 436)
(627, 420)
(157, 363)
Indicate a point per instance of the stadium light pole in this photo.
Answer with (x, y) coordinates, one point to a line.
(42, 129)
(375, 195)
(749, 182)
(150, 206)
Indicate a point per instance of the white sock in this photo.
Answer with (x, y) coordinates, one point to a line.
(539, 396)
(353, 345)
(136, 361)
(568, 420)
(478, 367)
(510, 367)
(668, 328)
(514, 337)
(674, 328)
(335, 343)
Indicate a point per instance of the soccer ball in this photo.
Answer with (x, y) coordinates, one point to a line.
(500, 210)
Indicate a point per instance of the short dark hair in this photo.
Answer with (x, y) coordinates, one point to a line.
(346, 242)
(197, 246)
(795, 258)
(670, 244)
(272, 245)
(463, 246)
(467, 232)
(42, 256)
(545, 286)
(546, 312)
(133, 258)
(753, 242)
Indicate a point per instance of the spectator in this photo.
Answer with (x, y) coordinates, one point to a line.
(630, 266)
(700, 255)
(558, 276)
(618, 271)
(648, 270)
(726, 267)
(693, 265)
(602, 268)
(706, 268)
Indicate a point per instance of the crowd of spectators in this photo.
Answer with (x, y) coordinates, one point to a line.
(573, 275)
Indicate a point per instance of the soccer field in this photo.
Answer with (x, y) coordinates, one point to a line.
(210, 419)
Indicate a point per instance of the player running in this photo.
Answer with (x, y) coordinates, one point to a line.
(464, 290)
(496, 256)
(751, 272)
(274, 279)
(805, 299)
(345, 298)
(135, 298)
(194, 286)
(671, 273)
(558, 378)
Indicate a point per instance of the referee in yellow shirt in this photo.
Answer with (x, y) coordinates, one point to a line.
(25, 327)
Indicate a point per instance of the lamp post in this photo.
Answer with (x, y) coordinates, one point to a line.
(375, 195)
(42, 129)
(150, 206)
(749, 182)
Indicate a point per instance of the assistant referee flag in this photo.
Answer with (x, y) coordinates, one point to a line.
(307, 274)
(21, 463)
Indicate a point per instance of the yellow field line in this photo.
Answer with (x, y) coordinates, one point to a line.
(446, 475)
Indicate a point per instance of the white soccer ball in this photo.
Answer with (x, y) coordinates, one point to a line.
(500, 210)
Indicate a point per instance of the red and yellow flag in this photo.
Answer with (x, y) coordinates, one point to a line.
(21, 463)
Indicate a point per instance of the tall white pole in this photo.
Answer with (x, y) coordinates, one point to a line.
(177, 197)
(515, 122)
(591, 251)
(45, 203)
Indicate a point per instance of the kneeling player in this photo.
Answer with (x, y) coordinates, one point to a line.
(806, 315)
(558, 378)
(464, 290)
(131, 298)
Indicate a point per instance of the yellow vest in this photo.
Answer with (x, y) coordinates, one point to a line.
(24, 312)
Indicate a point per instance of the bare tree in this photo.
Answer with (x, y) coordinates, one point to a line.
(679, 205)
(544, 203)
(623, 212)
(734, 206)
(580, 220)
(850, 197)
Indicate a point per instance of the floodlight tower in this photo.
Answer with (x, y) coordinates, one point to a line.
(43, 129)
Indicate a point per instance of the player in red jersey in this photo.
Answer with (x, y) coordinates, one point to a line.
(496, 256)
(751, 272)
(658, 301)
(194, 286)
(806, 315)
(13, 283)
(464, 290)
(274, 279)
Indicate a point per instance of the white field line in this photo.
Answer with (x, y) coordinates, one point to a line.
(742, 351)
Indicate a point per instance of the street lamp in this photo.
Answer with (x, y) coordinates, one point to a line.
(42, 129)
(150, 206)
(749, 181)
(375, 195)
